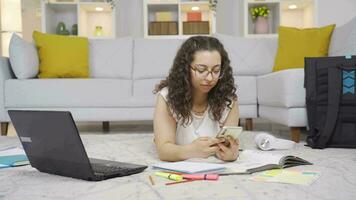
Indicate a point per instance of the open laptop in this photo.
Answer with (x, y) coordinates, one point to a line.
(53, 145)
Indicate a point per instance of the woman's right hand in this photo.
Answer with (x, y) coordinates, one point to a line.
(204, 147)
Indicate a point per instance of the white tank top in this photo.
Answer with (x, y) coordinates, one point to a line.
(200, 126)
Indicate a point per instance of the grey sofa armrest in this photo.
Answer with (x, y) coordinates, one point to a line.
(5, 74)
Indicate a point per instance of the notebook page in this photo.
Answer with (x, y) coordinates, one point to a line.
(261, 157)
(12, 151)
(249, 159)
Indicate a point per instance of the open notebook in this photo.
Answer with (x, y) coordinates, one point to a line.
(251, 161)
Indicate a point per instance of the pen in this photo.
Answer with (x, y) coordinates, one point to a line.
(151, 180)
(174, 177)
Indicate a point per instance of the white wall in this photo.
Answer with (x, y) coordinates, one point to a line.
(292, 18)
(129, 19)
(300, 18)
(228, 18)
(336, 12)
(309, 16)
(31, 18)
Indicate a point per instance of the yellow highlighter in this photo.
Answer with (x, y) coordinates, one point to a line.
(174, 177)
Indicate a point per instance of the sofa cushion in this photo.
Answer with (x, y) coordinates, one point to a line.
(68, 93)
(111, 58)
(250, 56)
(246, 89)
(291, 117)
(153, 58)
(295, 44)
(145, 87)
(282, 89)
(23, 58)
(62, 56)
(343, 40)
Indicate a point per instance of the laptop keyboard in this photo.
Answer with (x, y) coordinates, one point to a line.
(100, 168)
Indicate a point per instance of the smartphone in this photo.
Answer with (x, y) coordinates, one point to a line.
(233, 131)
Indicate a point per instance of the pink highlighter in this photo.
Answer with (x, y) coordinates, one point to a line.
(201, 176)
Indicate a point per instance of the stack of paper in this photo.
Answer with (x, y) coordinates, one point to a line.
(13, 157)
(189, 167)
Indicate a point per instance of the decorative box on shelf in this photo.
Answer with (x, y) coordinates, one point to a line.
(163, 28)
(191, 28)
(88, 18)
(163, 16)
(62, 1)
(162, 1)
(193, 16)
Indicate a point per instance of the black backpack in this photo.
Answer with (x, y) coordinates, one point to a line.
(331, 101)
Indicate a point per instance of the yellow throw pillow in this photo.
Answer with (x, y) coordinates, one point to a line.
(295, 44)
(62, 56)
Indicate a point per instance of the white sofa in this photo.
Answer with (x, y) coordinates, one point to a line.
(124, 72)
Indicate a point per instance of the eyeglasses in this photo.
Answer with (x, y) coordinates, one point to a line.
(203, 72)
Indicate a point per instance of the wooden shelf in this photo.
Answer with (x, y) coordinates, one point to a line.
(273, 16)
(280, 15)
(177, 12)
(83, 13)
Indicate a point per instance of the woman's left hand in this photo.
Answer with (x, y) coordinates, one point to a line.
(228, 153)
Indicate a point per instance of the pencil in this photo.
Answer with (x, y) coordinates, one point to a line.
(185, 181)
(151, 180)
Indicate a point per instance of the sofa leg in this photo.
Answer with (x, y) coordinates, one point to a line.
(4, 128)
(248, 125)
(106, 126)
(295, 134)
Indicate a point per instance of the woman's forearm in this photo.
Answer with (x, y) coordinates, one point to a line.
(174, 152)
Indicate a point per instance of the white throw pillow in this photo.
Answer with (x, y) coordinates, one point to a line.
(343, 40)
(23, 58)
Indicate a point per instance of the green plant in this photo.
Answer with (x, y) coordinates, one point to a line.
(259, 11)
(213, 4)
(112, 3)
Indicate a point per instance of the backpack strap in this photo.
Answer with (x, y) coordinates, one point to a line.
(334, 90)
(310, 99)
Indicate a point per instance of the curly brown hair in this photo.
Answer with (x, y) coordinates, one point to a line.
(179, 84)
